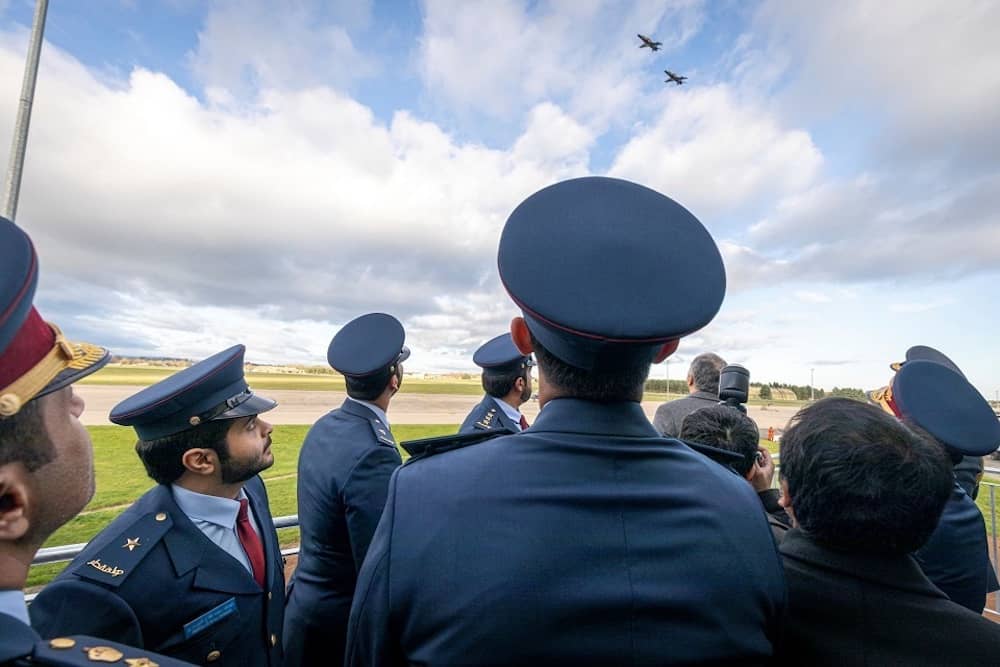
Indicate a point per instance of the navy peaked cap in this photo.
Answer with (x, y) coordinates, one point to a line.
(17, 282)
(368, 344)
(946, 405)
(925, 353)
(606, 270)
(35, 357)
(499, 353)
(210, 390)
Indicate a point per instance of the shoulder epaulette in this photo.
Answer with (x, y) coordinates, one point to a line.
(486, 423)
(113, 564)
(382, 432)
(419, 449)
(82, 650)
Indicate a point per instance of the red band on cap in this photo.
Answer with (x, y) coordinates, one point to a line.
(31, 343)
(891, 402)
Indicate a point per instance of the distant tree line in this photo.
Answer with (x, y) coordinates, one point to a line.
(765, 392)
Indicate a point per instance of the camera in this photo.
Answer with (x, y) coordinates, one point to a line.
(734, 387)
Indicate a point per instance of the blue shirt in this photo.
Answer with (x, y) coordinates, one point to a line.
(216, 518)
(510, 411)
(12, 604)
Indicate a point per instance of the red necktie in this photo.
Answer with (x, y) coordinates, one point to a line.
(524, 423)
(251, 542)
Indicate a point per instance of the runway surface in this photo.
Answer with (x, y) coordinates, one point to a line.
(305, 407)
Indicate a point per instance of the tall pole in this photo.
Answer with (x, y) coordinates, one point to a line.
(12, 183)
(668, 378)
(812, 381)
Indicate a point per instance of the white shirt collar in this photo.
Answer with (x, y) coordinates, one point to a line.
(508, 410)
(379, 412)
(12, 604)
(213, 509)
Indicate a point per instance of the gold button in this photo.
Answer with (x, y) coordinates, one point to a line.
(62, 642)
(162, 516)
(274, 639)
(213, 656)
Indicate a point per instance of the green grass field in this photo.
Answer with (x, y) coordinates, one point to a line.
(121, 479)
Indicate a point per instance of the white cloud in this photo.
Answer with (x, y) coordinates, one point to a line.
(248, 46)
(499, 58)
(869, 229)
(806, 296)
(305, 208)
(715, 153)
(918, 307)
(928, 69)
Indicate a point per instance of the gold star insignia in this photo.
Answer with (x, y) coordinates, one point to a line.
(141, 662)
(131, 543)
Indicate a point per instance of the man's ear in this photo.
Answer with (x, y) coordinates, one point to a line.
(786, 502)
(668, 348)
(201, 461)
(522, 337)
(15, 502)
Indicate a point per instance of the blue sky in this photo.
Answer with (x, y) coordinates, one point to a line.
(204, 173)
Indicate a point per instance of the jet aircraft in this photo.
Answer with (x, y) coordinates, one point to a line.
(674, 78)
(648, 41)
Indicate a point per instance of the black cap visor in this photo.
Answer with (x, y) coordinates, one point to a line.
(253, 405)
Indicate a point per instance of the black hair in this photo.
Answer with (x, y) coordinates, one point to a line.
(498, 382)
(162, 457)
(727, 428)
(859, 480)
(369, 387)
(23, 438)
(610, 384)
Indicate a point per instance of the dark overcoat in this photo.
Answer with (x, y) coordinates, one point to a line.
(849, 609)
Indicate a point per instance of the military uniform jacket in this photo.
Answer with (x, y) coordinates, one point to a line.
(175, 593)
(20, 646)
(488, 416)
(854, 609)
(585, 540)
(956, 557)
(344, 468)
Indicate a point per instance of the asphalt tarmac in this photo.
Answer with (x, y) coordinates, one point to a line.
(305, 407)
